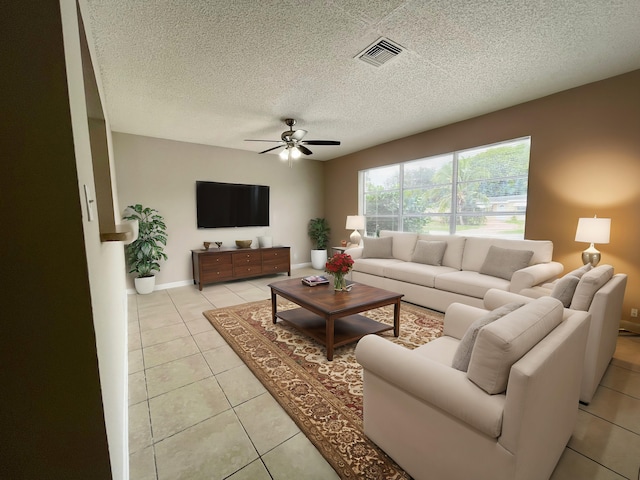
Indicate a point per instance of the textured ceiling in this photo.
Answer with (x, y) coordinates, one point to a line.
(217, 72)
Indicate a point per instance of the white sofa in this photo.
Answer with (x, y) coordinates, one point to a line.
(601, 293)
(436, 422)
(460, 275)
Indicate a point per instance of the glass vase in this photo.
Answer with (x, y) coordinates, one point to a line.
(339, 282)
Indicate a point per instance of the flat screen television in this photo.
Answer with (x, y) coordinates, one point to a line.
(231, 205)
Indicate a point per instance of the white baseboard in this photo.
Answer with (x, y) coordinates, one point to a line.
(164, 286)
(633, 327)
(184, 283)
(300, 265)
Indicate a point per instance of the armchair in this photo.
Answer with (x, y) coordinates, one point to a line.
(437, 423)
(606, 311)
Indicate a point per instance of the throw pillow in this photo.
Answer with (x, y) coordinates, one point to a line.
(502, 343)
(429, 253)
(564, 288)
(402, 245)
(589, 284)
(465, 347)
(578, 272)
(377, 247)
(503, 262)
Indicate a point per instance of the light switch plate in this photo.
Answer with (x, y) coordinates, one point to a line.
(89, 201)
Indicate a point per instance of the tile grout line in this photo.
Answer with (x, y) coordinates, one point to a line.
(251, 440)
(146, 387)
(594, 461)
(626, 429)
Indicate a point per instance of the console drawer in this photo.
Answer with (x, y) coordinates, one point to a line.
(276, 257)
(276, 261)
(213, 274)
(247, 258)
(213, 262)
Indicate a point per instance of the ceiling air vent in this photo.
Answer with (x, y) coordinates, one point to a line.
(380, 52)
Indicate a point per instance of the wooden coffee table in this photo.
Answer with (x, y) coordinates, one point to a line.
(329, 317)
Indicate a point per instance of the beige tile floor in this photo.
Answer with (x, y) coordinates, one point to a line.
(196, 411)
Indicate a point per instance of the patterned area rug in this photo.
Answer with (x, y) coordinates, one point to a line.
(323, 397)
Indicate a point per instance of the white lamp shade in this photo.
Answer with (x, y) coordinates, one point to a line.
(593, 230)
(355, 222)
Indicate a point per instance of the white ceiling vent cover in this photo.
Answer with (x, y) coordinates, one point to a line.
(380, 52)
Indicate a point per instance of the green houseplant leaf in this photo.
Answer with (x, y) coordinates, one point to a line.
(145, 253)
(318, 230)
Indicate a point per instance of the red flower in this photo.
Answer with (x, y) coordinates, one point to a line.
(339, 263)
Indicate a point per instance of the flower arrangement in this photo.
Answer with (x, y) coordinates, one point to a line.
(338, 266)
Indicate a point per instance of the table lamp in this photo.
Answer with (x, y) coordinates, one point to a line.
(593, 230)
(355, 222)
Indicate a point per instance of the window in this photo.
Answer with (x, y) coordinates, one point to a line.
(480, 191)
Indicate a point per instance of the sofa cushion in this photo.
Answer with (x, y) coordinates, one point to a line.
(403, 243)
(472, 284)
(429, 253)
(375, 266)
(377, 247)
(503, 342)
(455, 248)
(416, 273)
(589, 284)
(503, 262)
(465, 347)
(564, 289)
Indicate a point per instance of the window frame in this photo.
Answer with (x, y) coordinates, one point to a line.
(399, 219)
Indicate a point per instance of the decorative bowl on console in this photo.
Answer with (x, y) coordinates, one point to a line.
(243, 243)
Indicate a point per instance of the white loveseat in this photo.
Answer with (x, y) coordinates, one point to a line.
(508, 417)
(437, 270)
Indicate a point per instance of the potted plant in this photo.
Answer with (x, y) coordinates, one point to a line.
(318, 230)
(145, 253)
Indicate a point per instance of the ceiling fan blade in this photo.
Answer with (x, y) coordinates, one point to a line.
(321, 142)
(304, 149)
(269, 149)
(251, 140)
(298, 134)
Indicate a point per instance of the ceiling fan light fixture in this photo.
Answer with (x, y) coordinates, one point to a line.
(293, 143)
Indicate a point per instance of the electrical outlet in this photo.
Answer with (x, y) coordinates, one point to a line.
(634, 312)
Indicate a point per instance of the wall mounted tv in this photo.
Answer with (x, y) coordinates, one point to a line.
(231, 205)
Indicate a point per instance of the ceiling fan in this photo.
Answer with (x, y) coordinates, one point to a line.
(294, 143)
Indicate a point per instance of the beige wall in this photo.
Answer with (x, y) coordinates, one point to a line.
(162, 174)
(585, 161)
(105, 260)
(63, 402)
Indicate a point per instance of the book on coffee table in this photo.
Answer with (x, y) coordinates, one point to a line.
(314, 280)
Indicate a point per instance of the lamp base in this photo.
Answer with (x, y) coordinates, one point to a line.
(591, 255)
(355, 238)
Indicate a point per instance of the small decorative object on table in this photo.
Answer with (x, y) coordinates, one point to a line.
(314, 280)
(243, 243)
(206, 245)
(339, 265)
(219, 244)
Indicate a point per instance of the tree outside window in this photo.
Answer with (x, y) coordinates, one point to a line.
(487, 197)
